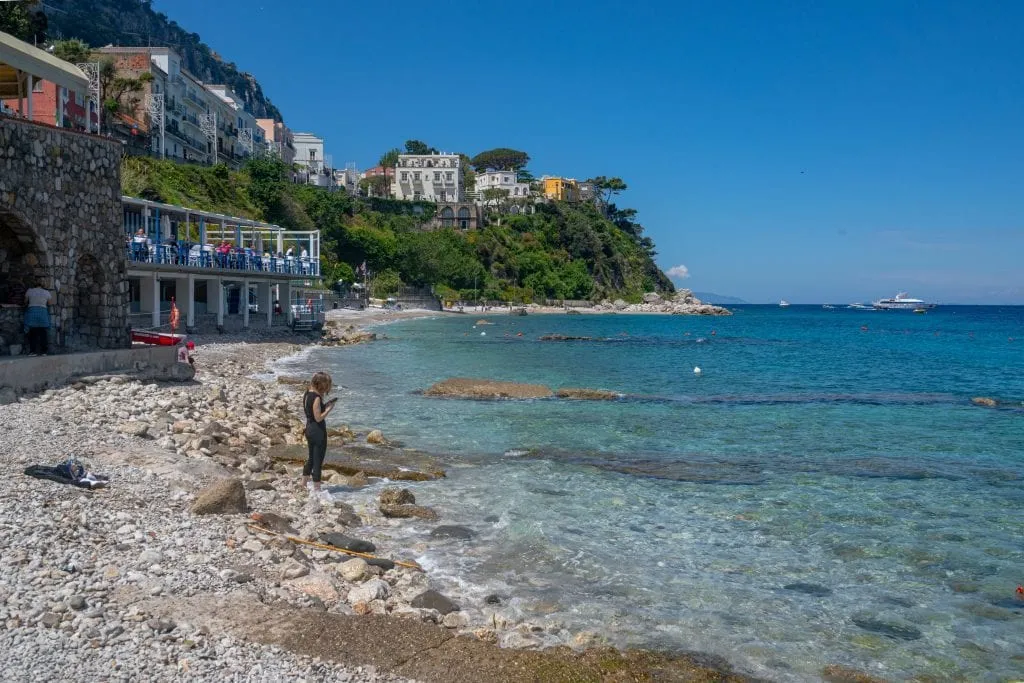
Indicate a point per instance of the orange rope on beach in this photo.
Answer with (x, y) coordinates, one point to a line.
(321, 546)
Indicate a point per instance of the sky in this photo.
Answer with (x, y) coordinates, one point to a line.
(802, 150)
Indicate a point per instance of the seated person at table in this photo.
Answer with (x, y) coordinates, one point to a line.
(140, 248)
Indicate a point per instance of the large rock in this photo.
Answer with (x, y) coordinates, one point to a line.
(984, 401)
(347, 542)
(226, 496)
(353, 570)
(408, 512)
(136, 428)
(464, 387)
(274, 522)
(393, 496)
(431, 599)
(652, 298)
(376, 437)
(374, 589)
(619, 304)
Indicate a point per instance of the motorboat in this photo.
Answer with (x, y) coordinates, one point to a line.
(860, 307)
(156, 338)
(828, 307)
(783, 304)
(902, 302)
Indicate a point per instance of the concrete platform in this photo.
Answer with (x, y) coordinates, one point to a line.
(28, 374)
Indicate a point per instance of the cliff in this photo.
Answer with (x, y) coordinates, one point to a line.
(135, 23)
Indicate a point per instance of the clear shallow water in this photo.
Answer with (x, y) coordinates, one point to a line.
(847, 461)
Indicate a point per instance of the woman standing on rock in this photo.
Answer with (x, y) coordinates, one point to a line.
(316, 410)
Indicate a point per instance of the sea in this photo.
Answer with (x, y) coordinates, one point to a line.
(823, 492)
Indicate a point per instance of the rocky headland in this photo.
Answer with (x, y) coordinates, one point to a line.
(683, 302)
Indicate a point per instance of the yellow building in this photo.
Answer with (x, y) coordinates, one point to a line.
(561, 189)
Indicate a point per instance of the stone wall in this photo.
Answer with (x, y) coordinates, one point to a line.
(61, 222)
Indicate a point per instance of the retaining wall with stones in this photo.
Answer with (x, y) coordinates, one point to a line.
(61, 223)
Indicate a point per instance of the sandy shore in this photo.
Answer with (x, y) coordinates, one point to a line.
(128, 582)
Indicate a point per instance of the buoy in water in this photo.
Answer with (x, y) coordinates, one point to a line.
(697, 371)
(483, 334)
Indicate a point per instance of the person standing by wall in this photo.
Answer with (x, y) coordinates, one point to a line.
(37, 319)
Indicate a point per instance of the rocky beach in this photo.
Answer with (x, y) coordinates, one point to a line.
(204, 557)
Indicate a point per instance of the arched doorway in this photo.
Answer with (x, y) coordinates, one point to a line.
(86, 325)
(447, 217)
(23, 261)
(464, 218)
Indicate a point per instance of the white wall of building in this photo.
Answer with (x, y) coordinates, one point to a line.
(500, 180)
(309, 151)
(428, 177)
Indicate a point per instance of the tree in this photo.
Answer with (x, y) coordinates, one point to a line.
(418, 147)
(120, 94)
(524, 176)
(389, 159)
(500, 159)
(385, 284)
(375, 186)
(23, 20)
(610, 187)
(75, 51)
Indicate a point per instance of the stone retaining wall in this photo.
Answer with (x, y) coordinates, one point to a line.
(61, 222)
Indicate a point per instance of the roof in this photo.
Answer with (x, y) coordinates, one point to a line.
(17, 55)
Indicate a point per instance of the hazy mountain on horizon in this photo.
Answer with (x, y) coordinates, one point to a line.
(712, 298)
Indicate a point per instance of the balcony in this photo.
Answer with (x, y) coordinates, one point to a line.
(210, 242)
(195, 99)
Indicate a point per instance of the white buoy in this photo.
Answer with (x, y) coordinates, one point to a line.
(696, 371)
(483, 334)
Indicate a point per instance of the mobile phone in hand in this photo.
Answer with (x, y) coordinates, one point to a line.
(330, 402)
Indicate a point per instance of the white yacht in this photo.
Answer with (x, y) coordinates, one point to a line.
(783, 303)
(901, 302)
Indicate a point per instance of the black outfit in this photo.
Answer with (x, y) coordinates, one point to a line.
(316, 437)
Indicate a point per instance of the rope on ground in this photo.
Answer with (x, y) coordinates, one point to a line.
(321, 546)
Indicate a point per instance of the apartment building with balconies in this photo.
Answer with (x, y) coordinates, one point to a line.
(279, 139)
(499, 180)
(428, 177)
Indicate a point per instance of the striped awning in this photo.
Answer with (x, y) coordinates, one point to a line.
(18, 60)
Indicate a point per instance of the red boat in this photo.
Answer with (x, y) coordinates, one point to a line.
(157, 338)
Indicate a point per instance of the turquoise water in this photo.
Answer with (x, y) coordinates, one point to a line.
(833, 452)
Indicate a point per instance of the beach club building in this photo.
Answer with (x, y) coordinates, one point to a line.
(222, 272)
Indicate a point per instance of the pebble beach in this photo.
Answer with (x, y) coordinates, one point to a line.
(162, 576)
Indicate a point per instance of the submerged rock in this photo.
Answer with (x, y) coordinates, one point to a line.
(892, 629)
(431, 599)
(834, 673)
(587, 394)
(984, 401)
(226, 496)
(452, 531)
(463, 387)
(809, 588)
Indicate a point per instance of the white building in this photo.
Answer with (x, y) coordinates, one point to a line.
(309, 155)
(428, 177)
(500, 180)
(239, 135)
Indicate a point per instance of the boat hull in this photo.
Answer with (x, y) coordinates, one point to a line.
(157, 338)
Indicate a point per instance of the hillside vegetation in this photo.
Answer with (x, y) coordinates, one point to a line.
(561, 252)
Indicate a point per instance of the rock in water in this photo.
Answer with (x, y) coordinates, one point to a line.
(431, 599)
(451, 531)
(887, 628)
(984, 401)
(347, 542)
(408, 511)
(376, 437)
(223, 497)
(465, 387)
(809, 588)
(587, 394)
(393, 496)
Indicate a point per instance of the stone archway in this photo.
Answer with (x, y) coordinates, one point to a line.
(23, 261)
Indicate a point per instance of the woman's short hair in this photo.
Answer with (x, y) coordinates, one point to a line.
(321, 382)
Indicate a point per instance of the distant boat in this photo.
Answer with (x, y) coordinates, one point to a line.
(901, 302)
(860, 307)
(828, 307)
(783, 303)
(920, 310)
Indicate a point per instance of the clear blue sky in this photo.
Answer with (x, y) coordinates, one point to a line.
(806, 150)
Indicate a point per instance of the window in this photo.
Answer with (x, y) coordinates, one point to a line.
(405, 176)
(505, 179)
(437, 176)
(448, 176)
(416, 175)
(312, 155)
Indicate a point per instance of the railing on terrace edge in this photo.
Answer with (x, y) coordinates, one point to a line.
(199, 256)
